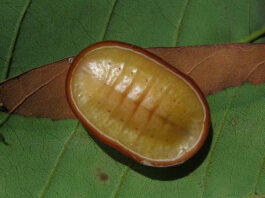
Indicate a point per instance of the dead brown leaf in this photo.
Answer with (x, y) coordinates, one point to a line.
(216, 67)
(40, 92)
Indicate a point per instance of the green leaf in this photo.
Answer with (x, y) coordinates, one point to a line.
(44, 158)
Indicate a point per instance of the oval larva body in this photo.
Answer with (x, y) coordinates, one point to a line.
(137, 103)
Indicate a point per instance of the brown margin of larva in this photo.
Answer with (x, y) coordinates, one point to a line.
(101, 137)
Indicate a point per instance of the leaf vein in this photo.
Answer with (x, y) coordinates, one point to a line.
(254, 36)
(14, 41)
(58, 160)
(258, 175)
(122, 178)
(182, 14)
(254, 69)
(108, 19)
(219, 134)
(202, 61)
(22, 100)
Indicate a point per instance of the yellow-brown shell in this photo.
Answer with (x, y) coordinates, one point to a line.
(137, 103)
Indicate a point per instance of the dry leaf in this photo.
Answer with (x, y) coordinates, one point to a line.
(40, 92)
(216, 67)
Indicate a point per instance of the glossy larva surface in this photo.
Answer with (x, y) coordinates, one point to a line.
(137, 104)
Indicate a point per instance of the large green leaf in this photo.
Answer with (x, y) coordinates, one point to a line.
(44, 158)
